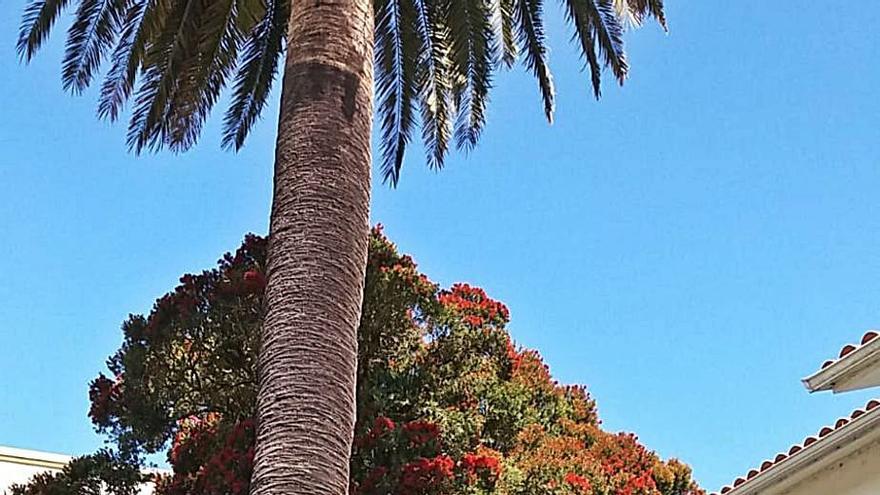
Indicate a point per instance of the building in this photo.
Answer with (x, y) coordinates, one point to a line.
(19, 465)
(842, 458)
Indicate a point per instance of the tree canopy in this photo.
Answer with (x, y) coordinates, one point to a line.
(447, 403)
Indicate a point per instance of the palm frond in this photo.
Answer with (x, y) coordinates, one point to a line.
(256, 73)
(639, 9)
(397, 48)
(657, 10)
(126, 59)
(90, 37)
(434, 80)
(172, 45)
(593, 66)
(599, 32)
(473, 51)
(530, 31)
(201, 78)
(36, 23)
(507, 19)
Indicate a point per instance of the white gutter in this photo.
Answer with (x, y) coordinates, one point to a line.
(854, 371)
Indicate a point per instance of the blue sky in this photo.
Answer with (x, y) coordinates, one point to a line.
(689, 247)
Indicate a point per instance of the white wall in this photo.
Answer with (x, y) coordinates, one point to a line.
(11, 473)
(18, 466)
(856, 474)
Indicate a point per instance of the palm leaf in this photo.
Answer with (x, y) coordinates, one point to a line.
(507, 19)
(174, 43)
(473, 52)
(126, 59)
(37, 21)
(599, 32)
(397, 48)
(203, 77)
(530, 30)
(639, 9)
(90, 37)
(434, 79)
(256, 73)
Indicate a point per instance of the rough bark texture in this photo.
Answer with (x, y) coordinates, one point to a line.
(318, 234)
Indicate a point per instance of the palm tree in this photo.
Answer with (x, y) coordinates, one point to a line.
(434, 61)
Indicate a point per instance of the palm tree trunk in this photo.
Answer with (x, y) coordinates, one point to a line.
(318, 235)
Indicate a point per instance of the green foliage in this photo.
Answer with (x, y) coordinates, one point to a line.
(434, 61)
(446, 403)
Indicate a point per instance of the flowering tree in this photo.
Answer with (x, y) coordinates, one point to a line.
(447, 404)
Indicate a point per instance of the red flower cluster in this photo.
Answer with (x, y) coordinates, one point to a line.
(421, 432)
(639, 485)
(473, 300)
(252, 249)
(194, 434)
(474, 463)
(422, 474)
(623, 453)
(254, 281)
(528, 368)
(473, 320)
(372, 479)
(381, 426)
(226, 470)
(577, 481)
(513, 355)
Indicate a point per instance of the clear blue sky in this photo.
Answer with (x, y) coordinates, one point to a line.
(689, 247)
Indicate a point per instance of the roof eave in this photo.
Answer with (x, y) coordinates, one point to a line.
(850, 372)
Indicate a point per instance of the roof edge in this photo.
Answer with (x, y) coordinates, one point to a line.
(827, 445)
(33, 458)
(852, 361)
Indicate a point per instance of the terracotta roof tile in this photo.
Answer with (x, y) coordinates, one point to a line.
(805, 445)
(848, 349)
